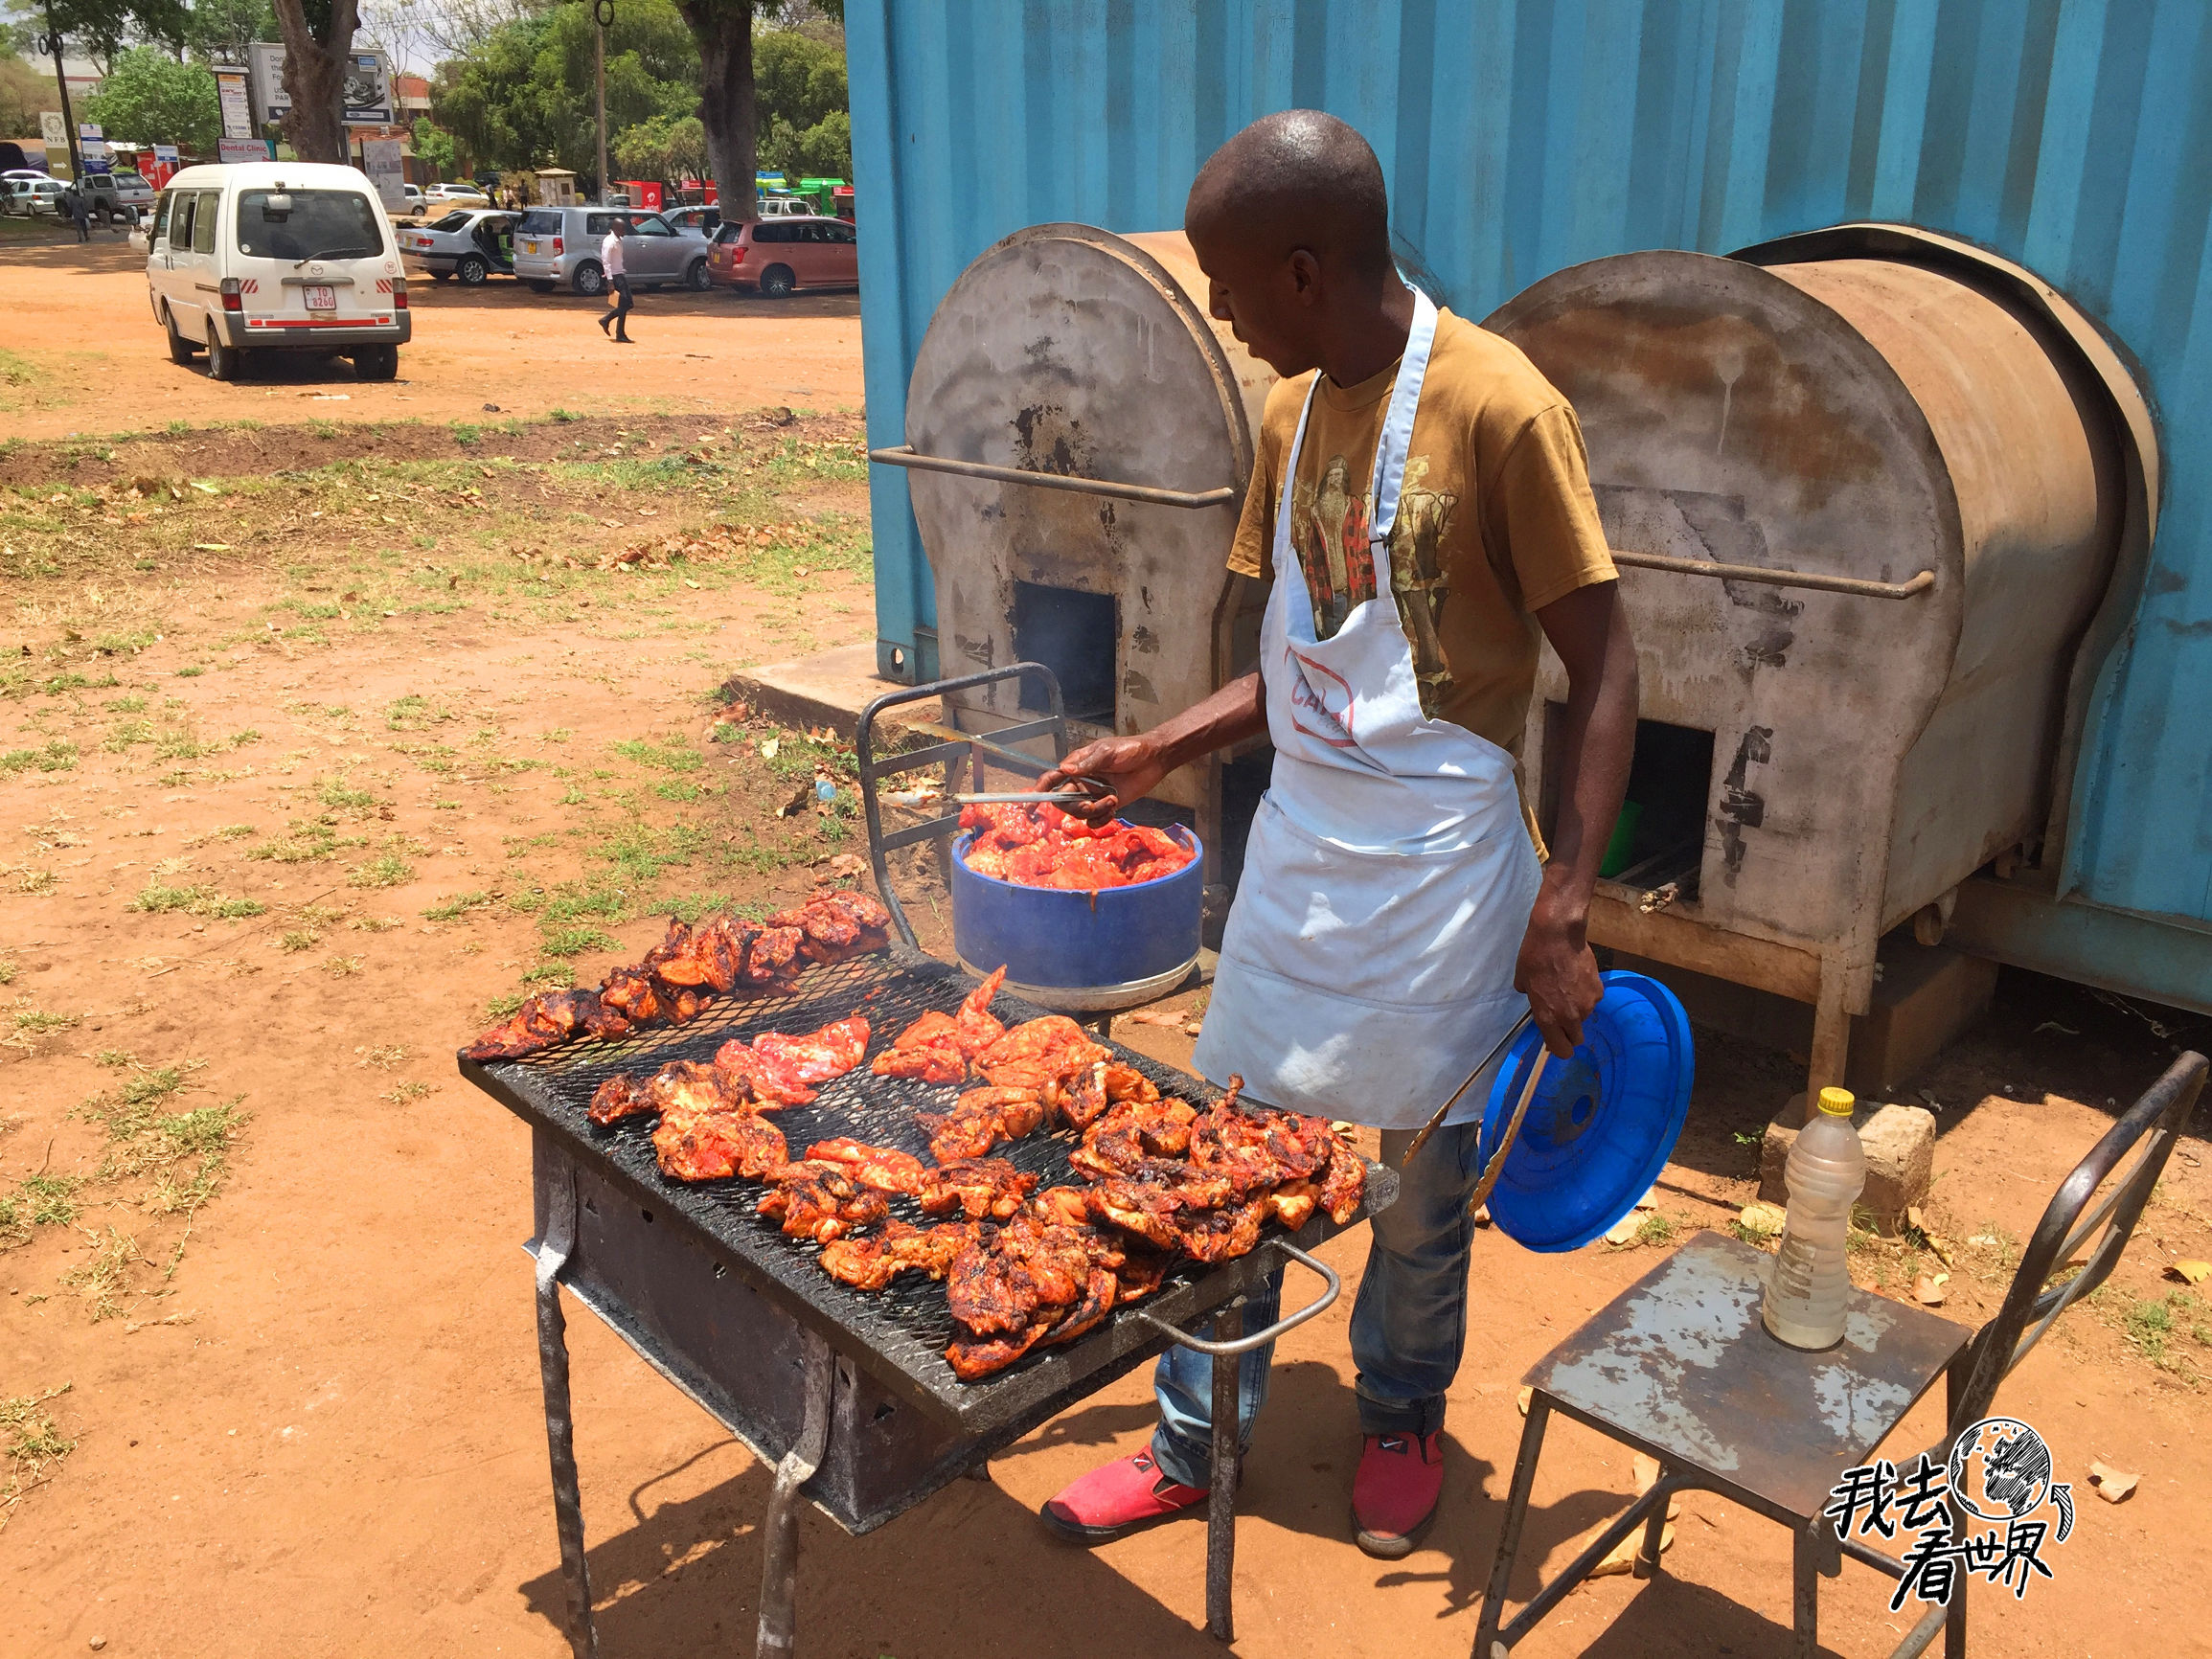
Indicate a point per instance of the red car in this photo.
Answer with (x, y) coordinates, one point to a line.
(773, 256)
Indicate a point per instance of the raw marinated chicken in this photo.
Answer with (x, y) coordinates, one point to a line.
(1041, 845)
(689, 967)
(1040, 1055)
(779, 1070)
(938, 1048)
(820, 1200)
(871, 1261)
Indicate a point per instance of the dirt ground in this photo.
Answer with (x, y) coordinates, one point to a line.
(85, 357)
(319, 740)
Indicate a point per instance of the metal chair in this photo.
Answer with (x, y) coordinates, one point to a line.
(1678, 1367)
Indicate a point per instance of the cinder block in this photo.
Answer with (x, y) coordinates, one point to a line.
(1900, 1145)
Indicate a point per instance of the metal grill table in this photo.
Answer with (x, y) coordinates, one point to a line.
(845, 1393)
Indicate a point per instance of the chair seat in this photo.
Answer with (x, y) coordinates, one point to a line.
(1681, 1363)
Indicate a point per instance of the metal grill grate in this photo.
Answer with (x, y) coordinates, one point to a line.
(909, 1324)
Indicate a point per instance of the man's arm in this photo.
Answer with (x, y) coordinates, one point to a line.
(1132, 767)
(1590, 629)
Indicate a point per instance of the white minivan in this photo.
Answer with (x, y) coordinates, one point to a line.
(276, 256)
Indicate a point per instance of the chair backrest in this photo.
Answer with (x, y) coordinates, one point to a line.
(2149, 1129)
(977, 750)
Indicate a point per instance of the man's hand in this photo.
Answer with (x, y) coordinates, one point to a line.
(1130, 767)
(1558, 975)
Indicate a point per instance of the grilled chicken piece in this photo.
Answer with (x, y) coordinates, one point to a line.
(631, 993)
(688, 1086)
(620, 1097)
(711, 1146)
(1344, 1184)
(772, 958)
(871, 1263)
(547, 1019)
(885, 1169)
(817, 1199)
(938, 1048)
(1154, 1200)
(1064, 1206)
(1129, 1133)
(979, 1120)
(973, 1358)
(977, 1187)
(1002, 1281)
(1215, 1235)
(1257, 1147)
(974, 1027)
(1141, 1270)
(1291, 1204)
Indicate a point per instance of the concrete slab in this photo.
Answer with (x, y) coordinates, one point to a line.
(828, 689)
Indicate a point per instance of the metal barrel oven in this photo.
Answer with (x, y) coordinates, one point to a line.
(1079, 435)
(1881, 502)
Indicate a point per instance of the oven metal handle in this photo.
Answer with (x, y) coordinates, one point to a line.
(904, 455)
(1245, 1344)
(1851, 584)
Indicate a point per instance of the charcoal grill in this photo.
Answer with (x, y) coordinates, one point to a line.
(845, 1395)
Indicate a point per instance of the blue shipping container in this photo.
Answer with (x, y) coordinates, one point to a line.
(1521, 136)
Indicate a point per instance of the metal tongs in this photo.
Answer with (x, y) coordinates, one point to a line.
(1488, 1179)
(1086, 791)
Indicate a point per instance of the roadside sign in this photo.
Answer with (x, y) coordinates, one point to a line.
(231, 150)
(236, 111)
(381, 161)
(54, 129)
(368, 93)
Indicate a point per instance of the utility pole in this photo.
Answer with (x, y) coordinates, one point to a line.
(603, 12)
(53, 44)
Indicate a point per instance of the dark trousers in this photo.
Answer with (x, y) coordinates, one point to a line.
(622, 307)
(83, 227)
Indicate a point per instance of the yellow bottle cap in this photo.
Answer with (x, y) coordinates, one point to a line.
(1837, 1102)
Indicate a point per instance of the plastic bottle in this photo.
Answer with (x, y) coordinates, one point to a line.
(1827, 1168)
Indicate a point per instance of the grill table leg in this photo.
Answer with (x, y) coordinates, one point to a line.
(779, 1537)
(559, 1423)
(1221, 1498)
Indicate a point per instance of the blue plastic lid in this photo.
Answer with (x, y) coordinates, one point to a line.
(1603, 1121)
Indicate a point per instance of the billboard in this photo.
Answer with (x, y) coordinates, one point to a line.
(237, 110)
(92, 145)
(368, 92)
(53, 129)
(381, 161)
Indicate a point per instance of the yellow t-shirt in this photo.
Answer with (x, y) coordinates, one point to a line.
(1496, 519)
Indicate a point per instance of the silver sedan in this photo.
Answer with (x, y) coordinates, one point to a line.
(469, 243)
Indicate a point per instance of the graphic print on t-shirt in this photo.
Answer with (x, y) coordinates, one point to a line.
(1330, 533)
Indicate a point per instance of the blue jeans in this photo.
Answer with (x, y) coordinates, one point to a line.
(1408, 1325)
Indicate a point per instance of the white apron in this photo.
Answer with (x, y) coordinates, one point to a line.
(1368, 961)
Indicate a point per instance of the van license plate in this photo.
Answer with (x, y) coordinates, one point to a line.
(530, 247)
(321, 298)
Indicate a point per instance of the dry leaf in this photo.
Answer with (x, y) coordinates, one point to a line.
(1527, 1394)
(2113, 1486)
(1929, 1292)
(2190, 1271)
(1192, 1028)
(1624, 1231)
(1621, 1558)
(769, 749)
(800, 800)
(1762, 1218)
(1650, 1200)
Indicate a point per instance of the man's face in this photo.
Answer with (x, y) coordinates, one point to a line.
(1270, 305)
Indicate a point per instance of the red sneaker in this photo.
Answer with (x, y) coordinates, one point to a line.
(1124, 1495)
(1394, 1494)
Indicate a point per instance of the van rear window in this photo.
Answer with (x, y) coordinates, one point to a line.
(540, 222)
(308, 224)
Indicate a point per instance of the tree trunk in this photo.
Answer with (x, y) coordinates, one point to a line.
(315, 64)
(724, 31)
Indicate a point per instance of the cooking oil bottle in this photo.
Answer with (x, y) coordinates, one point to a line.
(1827, 1169)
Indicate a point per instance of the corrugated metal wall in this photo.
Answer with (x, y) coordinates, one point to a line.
(1523, 135)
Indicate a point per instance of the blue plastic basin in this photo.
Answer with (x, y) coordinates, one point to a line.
(1080, 951)
(1603, 1122)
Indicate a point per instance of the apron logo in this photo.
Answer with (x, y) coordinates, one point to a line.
(1333, 727)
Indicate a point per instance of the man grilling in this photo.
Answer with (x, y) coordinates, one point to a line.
(1421, 506)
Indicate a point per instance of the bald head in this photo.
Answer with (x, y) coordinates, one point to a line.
(1297, 179)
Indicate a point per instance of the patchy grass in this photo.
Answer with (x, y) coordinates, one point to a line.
(400, 1094)
(30, 1439)
(60, 754)
(157, 899)
(459, 905)
(37, 1022)
(385, 869)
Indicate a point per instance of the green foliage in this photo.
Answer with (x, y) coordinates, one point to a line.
(434, 144)
(219, 31)
(668, 148)
(823, 151)
(524, 94)
(157, 899)
(797, 81)
(23, 93)
(151, 97)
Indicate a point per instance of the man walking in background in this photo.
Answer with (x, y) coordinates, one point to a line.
(616, 280)
(78, 207)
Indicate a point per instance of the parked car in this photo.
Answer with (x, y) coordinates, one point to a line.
(468, 242)
(774, 256)
(277, 256)
(116, 195)
(695, 222)
(414, 196)
(29, 198)
(555, 246)
(786, 207)
(439, 195)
